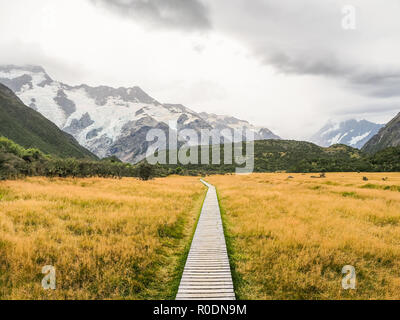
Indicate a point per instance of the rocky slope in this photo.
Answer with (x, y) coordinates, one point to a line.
(389, 136)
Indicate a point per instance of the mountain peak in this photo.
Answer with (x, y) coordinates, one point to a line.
(352, 132)
(19, 77)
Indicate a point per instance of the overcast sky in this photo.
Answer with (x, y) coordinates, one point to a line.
(286, 65)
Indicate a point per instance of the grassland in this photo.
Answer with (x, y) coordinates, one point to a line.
(108, 239)
(290, 237)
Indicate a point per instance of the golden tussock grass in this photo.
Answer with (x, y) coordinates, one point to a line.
(107, 239)
(290, 238)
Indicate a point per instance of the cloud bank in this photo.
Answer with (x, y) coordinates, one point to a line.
(288, 65)
(186, 15)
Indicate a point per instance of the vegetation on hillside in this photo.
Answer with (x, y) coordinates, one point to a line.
(270, 156)
(17, 162)
(30, 129)
(296, 156)
(386, 160)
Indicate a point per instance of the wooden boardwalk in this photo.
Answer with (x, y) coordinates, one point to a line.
(207, 273)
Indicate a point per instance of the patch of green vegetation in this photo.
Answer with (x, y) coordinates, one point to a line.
(352, 195)
(237, 279)
(5, 247)
(384, 221)
(381, 187)
(174, 230)
(18, 162)
(331, 183)
(33, 221)
(387, 160)
(3, 193)
(79, 229)
(371, 186)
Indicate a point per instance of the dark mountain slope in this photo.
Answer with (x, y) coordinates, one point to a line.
(30, 129)
(389, 136)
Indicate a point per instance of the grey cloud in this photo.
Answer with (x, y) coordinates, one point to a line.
(370, 81)
(21, 53)
(374, 108)
(379, 84)
(305, 37)
(186, 15)
(374, 82)
(298, 64)
(375, 112)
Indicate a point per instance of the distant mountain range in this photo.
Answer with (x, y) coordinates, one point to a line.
(30, 129)
(109, 121)
(351, 132)
(389, 136)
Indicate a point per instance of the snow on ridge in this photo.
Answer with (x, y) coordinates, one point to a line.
(109, 119)
(351, 132)
(37, 77)
(343, 136)
(335, 139)
(43, 99)
(357, 139)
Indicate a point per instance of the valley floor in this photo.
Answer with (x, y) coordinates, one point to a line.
(289, 238)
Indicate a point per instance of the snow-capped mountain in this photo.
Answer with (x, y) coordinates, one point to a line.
(109, 121)
(223, 122)
(351, 132)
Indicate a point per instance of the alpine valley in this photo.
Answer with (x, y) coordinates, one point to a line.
(110, 121)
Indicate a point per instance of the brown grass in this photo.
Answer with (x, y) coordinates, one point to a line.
(290, 238)
(108, 239)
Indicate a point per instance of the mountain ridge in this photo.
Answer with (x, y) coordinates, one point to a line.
(353, 133)
(388, 136)
(109, 121)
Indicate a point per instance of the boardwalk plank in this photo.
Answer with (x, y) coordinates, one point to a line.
(207, 273)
